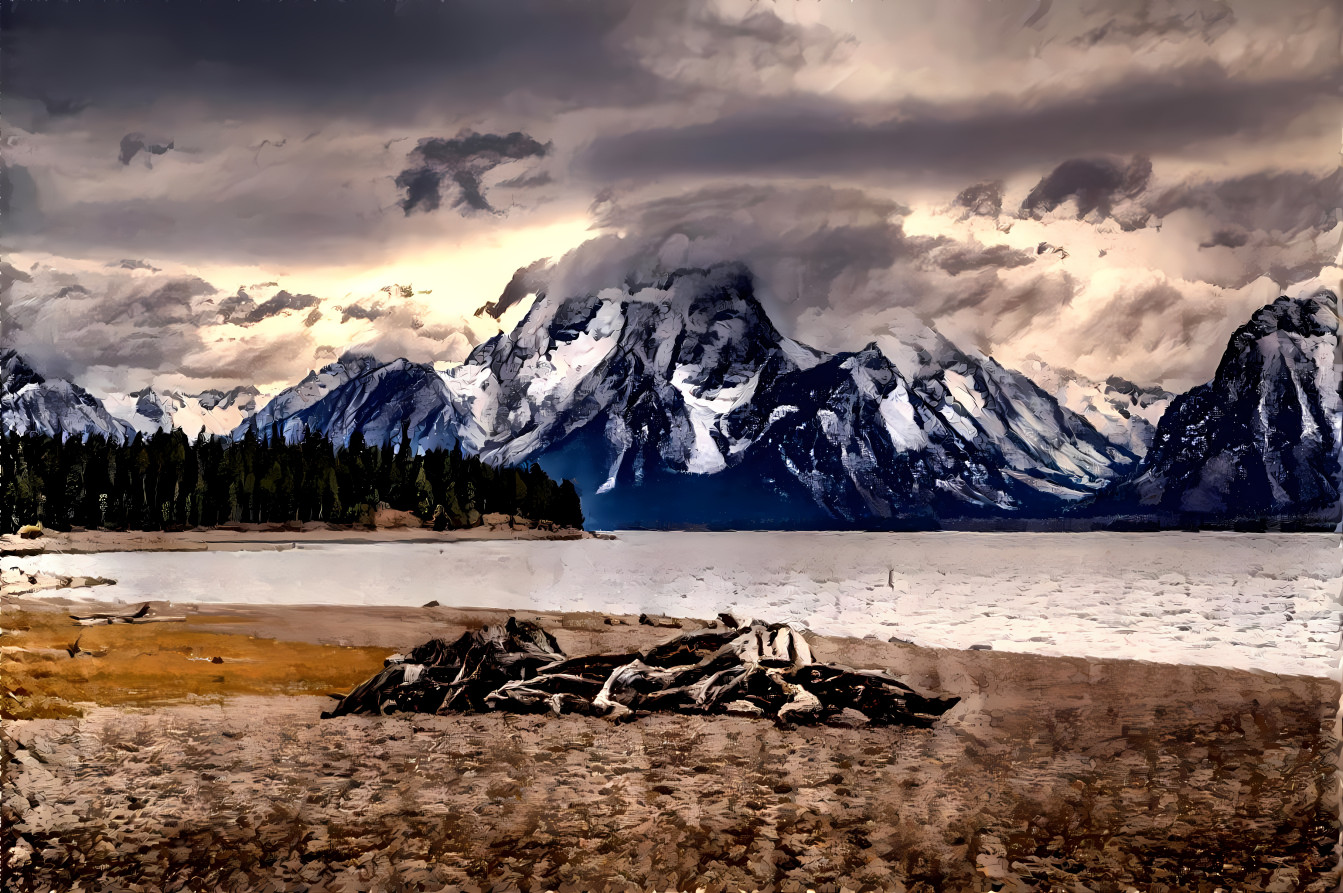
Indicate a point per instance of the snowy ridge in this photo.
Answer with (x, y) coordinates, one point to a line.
(213, 412)
(1126, 414)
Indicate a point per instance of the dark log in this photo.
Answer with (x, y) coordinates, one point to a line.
(688, 648)
(553, 693)
(120, 615)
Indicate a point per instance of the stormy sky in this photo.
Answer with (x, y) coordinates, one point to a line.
(199, 194)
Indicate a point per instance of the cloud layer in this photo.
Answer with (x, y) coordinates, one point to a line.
(1110, 185)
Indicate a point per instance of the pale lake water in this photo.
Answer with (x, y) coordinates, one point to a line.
(1253, 601)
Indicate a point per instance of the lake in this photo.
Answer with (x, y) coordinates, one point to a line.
(1258, 601)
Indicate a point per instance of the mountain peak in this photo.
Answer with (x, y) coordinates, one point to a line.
(15, 372)
(1260, 440)
(1312, 317)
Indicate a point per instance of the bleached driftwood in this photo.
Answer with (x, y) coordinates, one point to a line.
(756, 669)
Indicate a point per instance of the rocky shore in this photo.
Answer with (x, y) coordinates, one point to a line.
(1049, 774)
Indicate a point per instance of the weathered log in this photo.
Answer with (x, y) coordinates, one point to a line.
(660, 621)
(688, 648)
(108, 621)
(553, 692)
(118, 615)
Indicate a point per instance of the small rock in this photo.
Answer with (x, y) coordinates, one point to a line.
(432, 604)
(981, 647)
(216, 660)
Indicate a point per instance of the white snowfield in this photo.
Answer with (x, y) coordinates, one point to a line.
(1266, 602)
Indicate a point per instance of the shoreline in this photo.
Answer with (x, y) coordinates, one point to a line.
(1050, 771)
(262, 538)
(400, 628)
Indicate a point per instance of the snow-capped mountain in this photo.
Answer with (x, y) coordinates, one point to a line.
(1126, 414)
(310, 390)
(31, 404)
(1262, 439)
(215, 412)
(1029, 435)
(681, 398)
(359, 394)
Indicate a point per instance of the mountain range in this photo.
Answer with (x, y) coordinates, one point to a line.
(677, 402)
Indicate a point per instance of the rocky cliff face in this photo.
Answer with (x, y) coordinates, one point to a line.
(1261, 440)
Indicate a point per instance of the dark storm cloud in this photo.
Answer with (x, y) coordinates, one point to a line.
(282, 302)
(1139, 114)
(804, 243)
(18, 199)
(110, 320)
(1271, 201)
(1094, 184)
(377, 58)
(240, 309)
(528, 181)
(133, 264)
(63, 108)
(149, 306)
(1226, 238)
(235, 308)
(460, 162)
(528, 280)
(960, 259)
(358, 311)
(982, 199)
(1207, 20)
(134, 143)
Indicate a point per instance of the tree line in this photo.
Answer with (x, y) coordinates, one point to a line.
(168, 481)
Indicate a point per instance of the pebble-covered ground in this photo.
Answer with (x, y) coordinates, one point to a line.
(1053, 774)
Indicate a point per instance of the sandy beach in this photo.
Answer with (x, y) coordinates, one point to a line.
(1051, 774)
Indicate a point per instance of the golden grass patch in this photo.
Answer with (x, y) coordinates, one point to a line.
(156, 663)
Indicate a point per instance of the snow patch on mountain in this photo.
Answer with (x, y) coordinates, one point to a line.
(1126, 414)
(213, 412)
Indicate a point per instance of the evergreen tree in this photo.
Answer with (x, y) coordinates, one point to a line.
(169, 482)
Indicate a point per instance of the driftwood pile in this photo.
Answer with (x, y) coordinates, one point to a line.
(755, 670)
